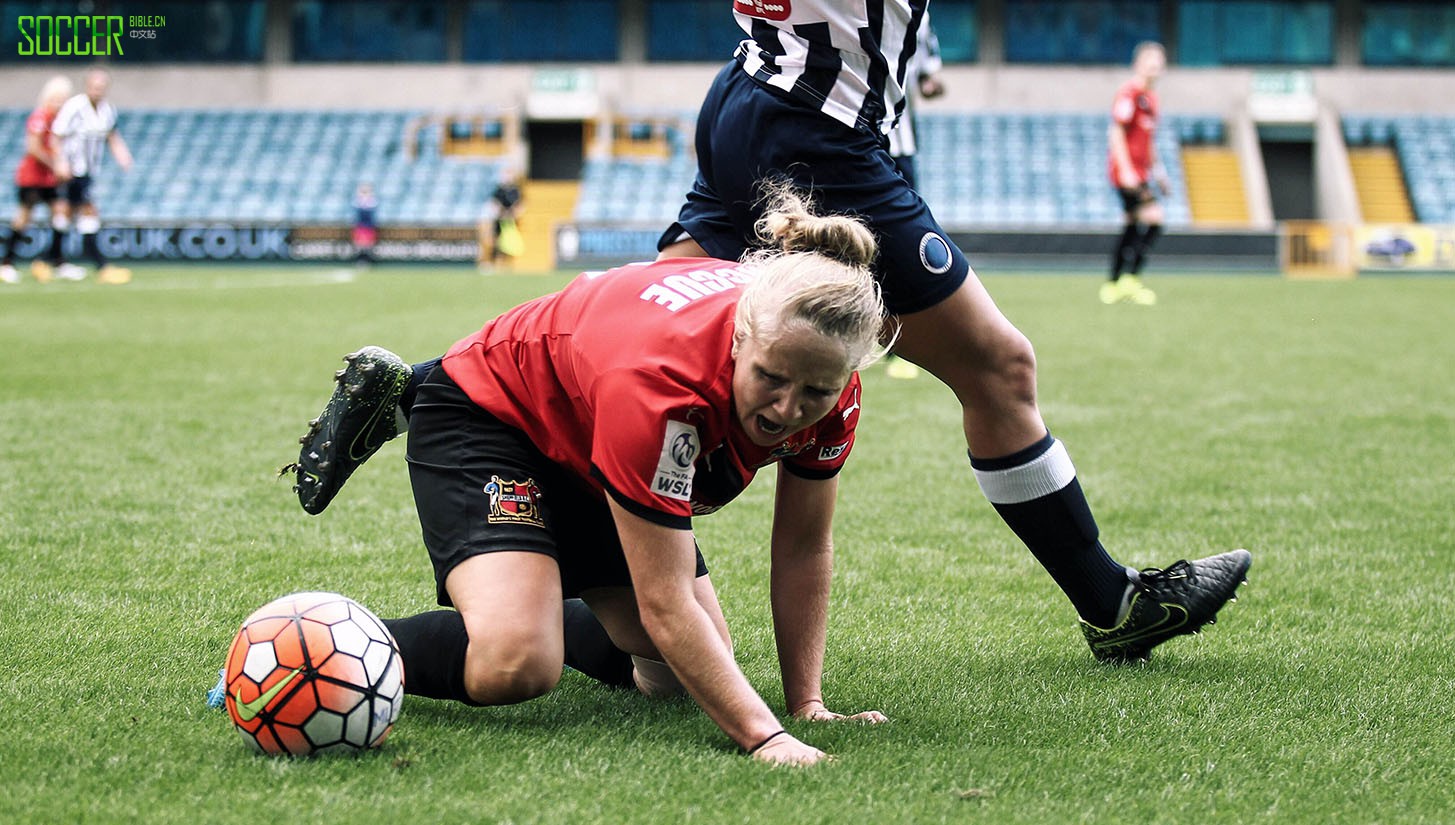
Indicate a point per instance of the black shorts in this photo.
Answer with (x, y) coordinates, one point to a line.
(77, 191)
(481, 486)
(32, 196)
(747, 132)
(1136, 197)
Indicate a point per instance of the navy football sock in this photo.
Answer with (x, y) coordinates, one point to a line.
(1037, 494)
(58, 238)
(1125, 251)
(1144, 243)
(590, 651)
(433, 647)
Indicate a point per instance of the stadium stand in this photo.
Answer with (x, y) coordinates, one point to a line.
(982, 169)
(1425, 147)
(993, 169)
(298, 167)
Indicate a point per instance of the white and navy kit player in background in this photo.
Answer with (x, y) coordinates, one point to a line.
(810, 97)
(924, 76)
(86, 128)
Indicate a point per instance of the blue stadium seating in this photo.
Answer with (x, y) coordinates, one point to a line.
(277, 166)
(975, 170)
(1425, 145)
(994, 170)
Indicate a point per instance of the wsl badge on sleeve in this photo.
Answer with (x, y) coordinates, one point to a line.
(680, 447)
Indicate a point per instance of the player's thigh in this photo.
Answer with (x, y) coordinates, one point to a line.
(1150, 212)
(511, 604)
(965, 332)
(616, 608)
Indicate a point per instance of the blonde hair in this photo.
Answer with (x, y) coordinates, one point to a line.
(56, 89)
(816, 272)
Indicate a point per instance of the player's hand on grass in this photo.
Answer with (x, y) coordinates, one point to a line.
(815, 711)
(783, 749)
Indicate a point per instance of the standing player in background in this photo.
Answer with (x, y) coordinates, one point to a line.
(35, 183)
(810, 96)
(923, 74)
(502, 212)
(1131, 163)
(86, 126)
(366, 227)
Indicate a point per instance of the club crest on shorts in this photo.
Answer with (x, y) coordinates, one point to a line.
(514, 502)
(934, 254)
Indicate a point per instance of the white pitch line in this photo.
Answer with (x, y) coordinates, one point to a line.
(329, 278)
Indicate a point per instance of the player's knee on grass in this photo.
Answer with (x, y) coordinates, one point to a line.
(511, 676)
(656, 679)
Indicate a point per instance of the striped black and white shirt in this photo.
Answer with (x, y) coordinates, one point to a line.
(83, 129)
(926, 61)
(846, 58)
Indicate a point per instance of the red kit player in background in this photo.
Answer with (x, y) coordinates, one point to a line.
(35, 183)
(1132, 165)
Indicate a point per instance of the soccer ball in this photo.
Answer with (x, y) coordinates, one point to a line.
(313, 673)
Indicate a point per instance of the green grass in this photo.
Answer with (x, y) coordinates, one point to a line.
(140, 429)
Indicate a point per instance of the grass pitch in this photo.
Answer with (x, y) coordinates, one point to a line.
(141, 427)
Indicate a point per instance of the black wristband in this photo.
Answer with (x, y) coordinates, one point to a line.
(754, 749)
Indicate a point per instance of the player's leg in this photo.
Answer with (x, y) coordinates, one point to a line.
(604, 635)
(43, 267)
(72, 198)
(628, 646)
(1145, 216)
(18, 223)
(88, 223)
(502, 643)
(361, 416)
(494, 556)
(1125, 250)
(1150, 216)
(951, 327)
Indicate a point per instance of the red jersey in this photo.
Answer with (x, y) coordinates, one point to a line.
(31, 172)
(1135, 109)
(625, 378)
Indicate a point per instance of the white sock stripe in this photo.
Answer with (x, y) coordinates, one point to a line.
(1041, 476)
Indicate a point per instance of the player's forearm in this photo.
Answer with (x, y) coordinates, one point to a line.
(688, 641)
(1120, 154)
(800, 593)
(36, 148)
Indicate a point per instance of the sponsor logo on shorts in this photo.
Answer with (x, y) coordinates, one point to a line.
(680, 447)
(934, 253)
(766, 9)
(514, 502)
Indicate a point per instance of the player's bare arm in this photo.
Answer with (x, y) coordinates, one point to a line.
(119, 150)
(1127, 177)
(662, 564)
(803, 559)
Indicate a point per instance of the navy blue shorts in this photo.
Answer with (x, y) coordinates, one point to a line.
(77, 191)
(747, 132)
(481, 486)
(32, 196)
